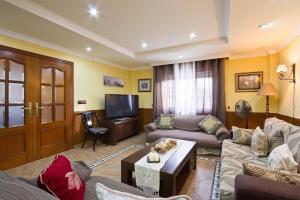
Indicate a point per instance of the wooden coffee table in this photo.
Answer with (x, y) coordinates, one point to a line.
(174, 172)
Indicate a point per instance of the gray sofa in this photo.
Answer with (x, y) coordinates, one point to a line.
(186, 128)
(12, 188)
(235, 185)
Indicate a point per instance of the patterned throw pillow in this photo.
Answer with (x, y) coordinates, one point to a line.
(166, 122)
(275, 139)
(259, 143)
(293, 141)
(282, 158)
(242, 135)
(61, 180)
(210, 124)
(271, 174)
(105, 193)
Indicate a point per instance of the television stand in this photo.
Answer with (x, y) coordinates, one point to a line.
(120, 129)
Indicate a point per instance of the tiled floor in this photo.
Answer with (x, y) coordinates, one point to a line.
(198, 184)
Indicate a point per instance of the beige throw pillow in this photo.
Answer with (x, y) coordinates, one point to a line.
(271, 174)
(166, 121)
(210, 124)
(259, 143)
(105, 193)
(282, 158)
(242, 135)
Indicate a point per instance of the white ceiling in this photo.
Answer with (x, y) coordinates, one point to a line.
(223, 27)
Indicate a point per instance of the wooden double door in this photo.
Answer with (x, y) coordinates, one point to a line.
(36, 106)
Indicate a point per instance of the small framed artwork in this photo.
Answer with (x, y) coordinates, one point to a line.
(113, 81)
(144, 85)
(248, 82)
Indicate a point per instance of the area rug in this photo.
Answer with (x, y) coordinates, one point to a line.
(215, 193)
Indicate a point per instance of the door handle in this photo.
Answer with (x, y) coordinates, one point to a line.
(29, 108)
(37, 108)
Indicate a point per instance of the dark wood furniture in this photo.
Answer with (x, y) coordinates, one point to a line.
(174, 172)
(90, 128)
(121, 129)
(37, 106)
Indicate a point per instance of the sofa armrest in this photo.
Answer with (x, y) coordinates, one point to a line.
(222, 133)
(150, 127)
(250, 187)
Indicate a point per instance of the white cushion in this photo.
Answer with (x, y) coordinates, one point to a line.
(105, 193)
(282, 158)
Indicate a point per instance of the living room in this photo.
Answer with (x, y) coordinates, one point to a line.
(110, 100)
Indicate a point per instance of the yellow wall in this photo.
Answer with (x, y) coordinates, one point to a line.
(146, 98)
(88, 75)
(290, 54)
(264, 63)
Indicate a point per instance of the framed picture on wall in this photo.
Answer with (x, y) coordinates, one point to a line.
(248, 81)
(144, 85)
(113, 81)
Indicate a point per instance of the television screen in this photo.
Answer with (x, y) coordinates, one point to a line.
(117, 105)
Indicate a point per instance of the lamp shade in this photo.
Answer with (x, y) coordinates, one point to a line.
(281, 69)
(267, 89)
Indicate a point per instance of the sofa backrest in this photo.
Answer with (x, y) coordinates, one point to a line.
(188, 123)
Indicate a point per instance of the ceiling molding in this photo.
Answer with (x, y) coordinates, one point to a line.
(288, 39)
(218, 41)
(248, 55)
(206, 57)
(140, 68)
(44, 13)
(58, 48)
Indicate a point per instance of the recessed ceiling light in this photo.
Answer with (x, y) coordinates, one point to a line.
(192, 35)
(88, 49)
(265, 26)
(144, 45)
(181, 56)
(93, 11)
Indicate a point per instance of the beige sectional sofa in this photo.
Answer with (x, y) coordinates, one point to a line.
(235, 185)
(186, 128)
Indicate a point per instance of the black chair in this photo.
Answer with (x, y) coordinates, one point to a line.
(97, 132)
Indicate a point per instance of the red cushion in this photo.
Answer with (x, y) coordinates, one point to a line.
(61, 180)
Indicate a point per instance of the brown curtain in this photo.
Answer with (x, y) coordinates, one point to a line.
(160, 75)
(205, 70)
(215, 69)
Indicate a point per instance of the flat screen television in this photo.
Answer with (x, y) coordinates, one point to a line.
(119, 106)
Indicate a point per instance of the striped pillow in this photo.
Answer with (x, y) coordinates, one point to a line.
(271, 174)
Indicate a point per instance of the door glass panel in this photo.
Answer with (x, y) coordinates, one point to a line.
(2, 68)
(16, 71)
(15, 116)
(59, 94)
(46, 94)
(59, 113)
(47, 114)
(59, 77)
(47, 75)
(2, 92)
(2, 116)
(16, 93)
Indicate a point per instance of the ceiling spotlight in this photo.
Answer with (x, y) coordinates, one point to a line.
(181, 56)
(192, 35)
(144, 45)
(265, 26)
(88, 49)
(93, 12)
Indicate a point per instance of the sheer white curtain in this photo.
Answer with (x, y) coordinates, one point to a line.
(185, 88)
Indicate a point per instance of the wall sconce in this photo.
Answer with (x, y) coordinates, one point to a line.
(281, 69)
